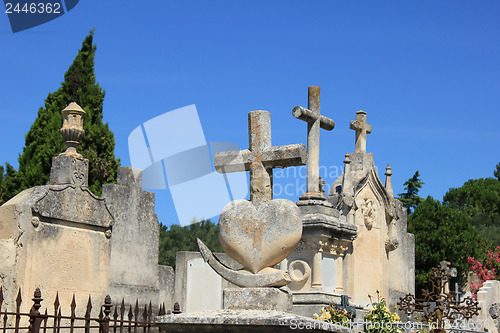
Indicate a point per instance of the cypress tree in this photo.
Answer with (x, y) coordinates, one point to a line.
(43, 141)
(410, 198)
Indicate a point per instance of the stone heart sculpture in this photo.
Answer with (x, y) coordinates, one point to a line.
(260, 234)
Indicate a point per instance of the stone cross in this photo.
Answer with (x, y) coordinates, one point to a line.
(450, 271)
(314, 121)
(261, 157)
(362, 129)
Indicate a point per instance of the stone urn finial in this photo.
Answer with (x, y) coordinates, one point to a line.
(72, 129)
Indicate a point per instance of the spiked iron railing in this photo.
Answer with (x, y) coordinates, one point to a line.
(121, 321)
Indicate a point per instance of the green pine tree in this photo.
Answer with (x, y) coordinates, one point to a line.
(410, 198)
(441, 233)
(479, 200)
(43, 141)
(177, 238)
(496, 173)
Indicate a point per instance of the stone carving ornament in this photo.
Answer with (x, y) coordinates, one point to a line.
(261, 232)
(368, 212)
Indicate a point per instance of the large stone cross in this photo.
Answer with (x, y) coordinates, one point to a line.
(314, 121)
(261, 157)
(362, 129)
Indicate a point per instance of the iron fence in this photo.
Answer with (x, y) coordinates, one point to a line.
(134, 319)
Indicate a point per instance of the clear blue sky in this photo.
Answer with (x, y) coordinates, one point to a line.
(427, 73)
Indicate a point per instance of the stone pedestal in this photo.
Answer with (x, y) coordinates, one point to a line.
(244, 321)
(325, 240)
(257, 299)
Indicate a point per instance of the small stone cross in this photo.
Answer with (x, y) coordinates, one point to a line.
(314, 121)
(75, 83)
(450, 271)
(261, 157)
(362, 129)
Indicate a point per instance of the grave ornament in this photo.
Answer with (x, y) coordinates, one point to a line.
(261, 232)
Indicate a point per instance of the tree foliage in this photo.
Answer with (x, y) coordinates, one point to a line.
(410, 198)
(479, 200)
(177, 238)
(43, 141)
(441, 233)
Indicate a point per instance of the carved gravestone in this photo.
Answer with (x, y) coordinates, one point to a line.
(57, 236)
(62, 238)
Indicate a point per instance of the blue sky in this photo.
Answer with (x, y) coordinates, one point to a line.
(426, 72)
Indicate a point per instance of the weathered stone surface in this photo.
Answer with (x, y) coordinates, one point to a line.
(69, 199)
(362, 129)
(69, 169)
(58, 237)
(259, 235)
(245, 321)
(257, 299)
(133, 270)
(268, 277)
(487, 296)
(315, 121)
(166, 281)
(197, 286)
(261, 157)
(55, 255)
(494, 312)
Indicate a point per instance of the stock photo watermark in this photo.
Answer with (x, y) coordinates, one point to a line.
(408, 326)
(25, 14)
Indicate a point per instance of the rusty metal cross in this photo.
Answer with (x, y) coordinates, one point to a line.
(261, 157)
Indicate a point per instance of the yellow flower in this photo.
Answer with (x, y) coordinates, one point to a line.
(315, 316)
(325, 316)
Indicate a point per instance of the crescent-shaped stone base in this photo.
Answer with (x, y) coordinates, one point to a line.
(268, 278)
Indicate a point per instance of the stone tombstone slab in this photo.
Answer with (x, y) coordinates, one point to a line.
(133, 270)
(257, 299)
(329, 273)
(64, 239)
(203, 287)
(245, 321)
(197, 286)
(56, 237)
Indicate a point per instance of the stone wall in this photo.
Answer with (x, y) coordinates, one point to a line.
(487, 295)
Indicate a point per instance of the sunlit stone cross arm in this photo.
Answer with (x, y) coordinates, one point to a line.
(314, 121)
(261, 158)
(362, 129)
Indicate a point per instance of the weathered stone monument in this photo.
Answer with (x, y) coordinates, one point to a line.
(354, 239)
(259, 234)
(62, 238)
(316, 266)
(355, 242)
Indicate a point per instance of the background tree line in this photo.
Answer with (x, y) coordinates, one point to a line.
(466, 223)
